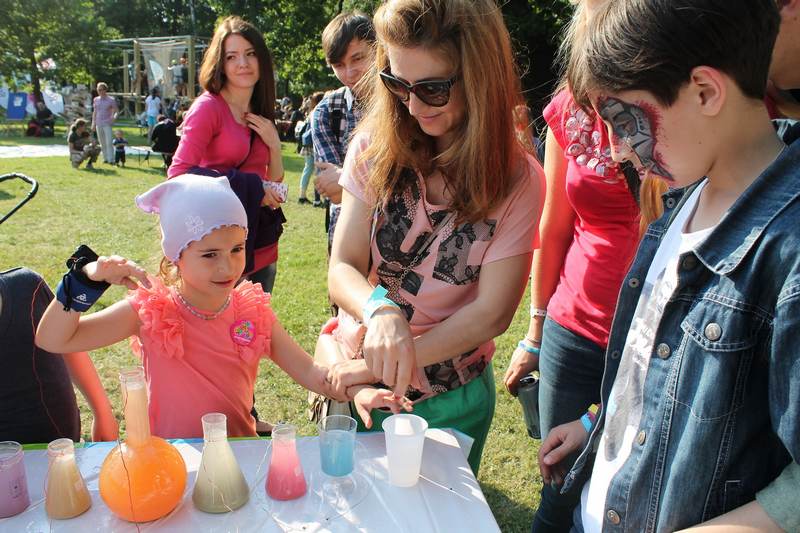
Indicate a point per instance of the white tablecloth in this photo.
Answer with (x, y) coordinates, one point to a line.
(447, 497)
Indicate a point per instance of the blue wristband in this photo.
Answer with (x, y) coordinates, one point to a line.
(587, 423)
(530, 349)
(76, 294)
(376, 300)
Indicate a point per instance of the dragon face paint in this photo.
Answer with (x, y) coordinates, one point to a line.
(634, 126)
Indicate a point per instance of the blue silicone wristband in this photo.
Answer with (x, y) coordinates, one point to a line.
(376, 300)
(587, 423)
(530, 349)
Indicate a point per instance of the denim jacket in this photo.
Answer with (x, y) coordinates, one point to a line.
(721, 403)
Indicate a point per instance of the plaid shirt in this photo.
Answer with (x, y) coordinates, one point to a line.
(326, 147)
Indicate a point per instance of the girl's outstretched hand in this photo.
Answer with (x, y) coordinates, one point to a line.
(321, 384)
(346, 374)
(369, 398)
(117, 271)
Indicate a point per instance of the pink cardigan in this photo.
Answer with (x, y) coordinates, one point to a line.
(211, 138)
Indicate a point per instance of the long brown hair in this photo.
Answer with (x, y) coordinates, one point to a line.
(483, 163)
(212, 71)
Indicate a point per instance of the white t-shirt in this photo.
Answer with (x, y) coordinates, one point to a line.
(152, 105)
(624, 407)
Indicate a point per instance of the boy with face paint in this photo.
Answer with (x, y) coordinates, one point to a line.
(700, 401)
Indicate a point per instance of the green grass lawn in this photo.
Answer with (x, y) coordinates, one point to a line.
(75, 206)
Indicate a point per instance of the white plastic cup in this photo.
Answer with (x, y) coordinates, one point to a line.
(405, 438)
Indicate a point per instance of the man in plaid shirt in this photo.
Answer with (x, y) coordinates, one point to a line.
(347, 42)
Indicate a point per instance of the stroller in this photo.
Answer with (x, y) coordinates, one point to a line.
(34, 188)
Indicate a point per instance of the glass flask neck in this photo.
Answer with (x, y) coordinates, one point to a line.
(134, 401)
(10, 454)
(284, 433)
(61, 448)
(215, 427)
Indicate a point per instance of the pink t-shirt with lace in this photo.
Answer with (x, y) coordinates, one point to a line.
(606, 231)
(446, 279)
(194, 366)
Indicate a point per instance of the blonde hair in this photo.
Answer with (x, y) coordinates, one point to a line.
(482, 164)
(168, 272)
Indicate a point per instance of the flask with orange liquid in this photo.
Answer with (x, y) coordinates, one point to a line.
(143, 478)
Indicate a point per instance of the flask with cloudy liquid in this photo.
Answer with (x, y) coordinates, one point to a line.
(220, 485)
(67, 495)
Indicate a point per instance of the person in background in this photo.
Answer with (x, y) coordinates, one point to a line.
(81, 145)
(120, 143)
(347, 42)
(306, 145)
(165, 139)
(230, 130)
(784, 72)
(104, 113)
(294, 117)
(152, 108)
(44, 121)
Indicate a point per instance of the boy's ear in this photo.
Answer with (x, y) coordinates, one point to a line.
(789, 8)
(709, 89)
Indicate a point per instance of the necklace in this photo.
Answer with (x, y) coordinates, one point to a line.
(204, 316)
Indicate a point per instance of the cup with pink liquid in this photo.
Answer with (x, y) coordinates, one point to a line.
(13, 486)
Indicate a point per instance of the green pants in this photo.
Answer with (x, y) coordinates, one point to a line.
(469, 409)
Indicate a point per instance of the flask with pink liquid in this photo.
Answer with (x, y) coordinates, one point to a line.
(285, 480)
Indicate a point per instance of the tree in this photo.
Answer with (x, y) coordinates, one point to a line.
(66, 30)
(535, 27)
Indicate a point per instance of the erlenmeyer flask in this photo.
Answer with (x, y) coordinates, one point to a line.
(220, 485)
(285, 480)
(67, 495)
(14, 496)
(143, 478)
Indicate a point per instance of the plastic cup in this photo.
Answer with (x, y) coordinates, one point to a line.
(337, 438)
(405, 437)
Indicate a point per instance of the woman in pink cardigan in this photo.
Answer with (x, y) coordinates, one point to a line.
(231, 125)
(230, 129)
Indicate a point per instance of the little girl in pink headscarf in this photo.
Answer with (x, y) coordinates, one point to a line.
(199, 332)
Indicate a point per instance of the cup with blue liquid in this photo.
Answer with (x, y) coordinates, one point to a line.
(337, 439)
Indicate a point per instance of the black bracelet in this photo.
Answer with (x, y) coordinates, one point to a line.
(76, 291)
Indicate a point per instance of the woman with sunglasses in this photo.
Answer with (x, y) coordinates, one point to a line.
(439, 214)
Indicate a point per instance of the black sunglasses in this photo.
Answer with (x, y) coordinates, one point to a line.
(435, 93)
